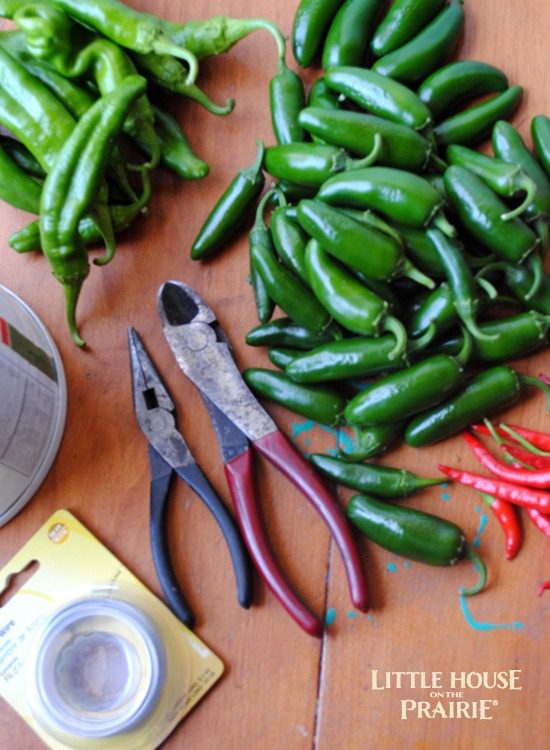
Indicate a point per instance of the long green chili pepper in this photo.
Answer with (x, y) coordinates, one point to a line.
(53, 36)
(17, 187)
(351, 303)
(292, 296)
(31, 112)
(287, 98)
(311, 22)
(383, 481)
(415, 535)
(396, 194)
(283, 332)
(140, 32)
(427, 50)
(380, 95)
(475, 123)
(349, 34)
(509, 146)
(404, 19)
(461, 281)
(21, 155)
(506, 179)
(260, 239)
(375, 254)
(232, 209)
(483, 395)
(437, 311)
(459, 82)
(72, 185)
(290, 241)
(320, 403)
(311, 164)
(401, 147)
(409, 391)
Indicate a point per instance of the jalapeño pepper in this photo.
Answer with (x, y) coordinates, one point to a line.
(348, 37)
(403, 20)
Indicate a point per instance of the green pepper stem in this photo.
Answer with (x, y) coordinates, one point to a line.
(534, 263)
(369, 218)
(522, 183)
(487, 287)
(465, 352)
(415, 345)
(541, 228)
(370, 158)
(479, 565)
(437, 162)
(414, 273)
(164, 46)
(444, 225)
(529, 380)
(198, 95)
(395, 326)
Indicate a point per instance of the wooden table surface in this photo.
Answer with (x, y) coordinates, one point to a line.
(281, 688)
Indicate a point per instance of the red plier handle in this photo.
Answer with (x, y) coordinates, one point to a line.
(284, 456)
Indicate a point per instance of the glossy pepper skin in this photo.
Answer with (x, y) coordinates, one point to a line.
(311, 22)
(349, 34)
(483, 395)
(17, 187)
(232, 209)
(403, 20)
(290, 241)
(458, 82)
(351, 303)
(506, 179)
(409, 391)
(427, 50)
(372, 441)
(475, 123)
(401, 147)
(383, 481)
(519, 281)
(414, 534)
(176, 153)
(540, 133)
(398, 195)
(283, 332)
(380, 95)
(320, 403)
(481, 211)
(437, 311)
(287, 99)
(308, 164)
(72, 186)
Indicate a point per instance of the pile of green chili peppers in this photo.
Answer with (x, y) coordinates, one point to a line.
(81, 83)
(396, 269)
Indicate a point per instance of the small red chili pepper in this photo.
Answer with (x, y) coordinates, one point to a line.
(505, 513)
(538, 439)
(514, 493)
(541, 520)
(543, 587)
(539, 478)
(526, 457)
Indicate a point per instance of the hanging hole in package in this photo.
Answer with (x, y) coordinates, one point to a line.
(33, 403)
(89, 657)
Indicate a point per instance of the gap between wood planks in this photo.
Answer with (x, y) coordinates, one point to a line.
(322, 658)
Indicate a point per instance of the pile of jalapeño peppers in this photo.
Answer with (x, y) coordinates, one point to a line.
(407, 265)
(81, 87)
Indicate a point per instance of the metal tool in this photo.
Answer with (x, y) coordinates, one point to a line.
(203, 353)
(169, 455)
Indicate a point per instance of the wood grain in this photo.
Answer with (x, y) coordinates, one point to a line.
(283, 689)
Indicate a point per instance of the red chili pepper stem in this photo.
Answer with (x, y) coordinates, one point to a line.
(544, 587)
(505, 514)
(480, 568)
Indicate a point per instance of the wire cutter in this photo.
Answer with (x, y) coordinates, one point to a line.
(168, 455)
(203, 353)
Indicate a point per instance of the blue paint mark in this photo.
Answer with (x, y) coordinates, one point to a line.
(330, 616)
(515, 625)
(445, 496)
(299, 427)
(482, 524)
(407, 565)
(352, 615)
(391, 568)
(370, 616)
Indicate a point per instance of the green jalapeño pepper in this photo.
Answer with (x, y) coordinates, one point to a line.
(519, 281)
(415, 535)
(311, 164)
(375, 254)
(437, 311)
(320, 403)
(426, 51)
(380, 95)
(398, 195)
(458, 82)
(287, 98)
(311, 22)
(351, 303)
(401, 394)
(404, 19)
(348, 37)
(540, 133)
(290, 240)
(481, 396)
(283, 332)
(475, 123)
(382, 481)
(402, 147)
(506, 179)
(232, 209)
(371, 441)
